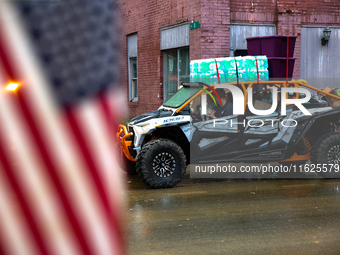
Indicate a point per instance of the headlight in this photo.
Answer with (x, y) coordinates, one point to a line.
(145, 128)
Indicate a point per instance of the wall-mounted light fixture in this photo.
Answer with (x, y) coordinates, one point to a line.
(326, 36)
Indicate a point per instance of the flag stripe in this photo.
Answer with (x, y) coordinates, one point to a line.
(69, 170)
(87, 157)
(102, 156)
(110, 123)
(34, 179)
(4, 60)
(13, 223)
(8, 171)
(2, 248)
(31, 124)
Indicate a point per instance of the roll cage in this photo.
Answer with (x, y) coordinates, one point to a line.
(249, 84)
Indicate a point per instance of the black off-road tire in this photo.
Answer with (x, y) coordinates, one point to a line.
(161, 163)
(326, 150)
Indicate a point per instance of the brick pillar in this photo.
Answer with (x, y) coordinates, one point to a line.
(215, 28)
(195, 34)
(289, 23)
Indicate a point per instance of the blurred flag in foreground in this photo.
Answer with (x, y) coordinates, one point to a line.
(60, 186)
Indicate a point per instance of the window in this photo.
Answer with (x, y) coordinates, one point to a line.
(176, 62)
(176, 70)
(133, 67)
(134, 78)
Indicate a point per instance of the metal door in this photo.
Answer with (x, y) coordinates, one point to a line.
(319, 64)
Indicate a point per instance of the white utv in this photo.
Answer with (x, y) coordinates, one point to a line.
(160, 144)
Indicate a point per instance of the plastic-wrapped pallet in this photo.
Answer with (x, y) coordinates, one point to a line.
(204, 70)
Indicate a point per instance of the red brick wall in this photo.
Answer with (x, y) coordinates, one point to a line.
(195, 34)
(269, 11)
(253, 11)
(290, 24)
(288, 15)
(146, 17)
(293, 14)
(215, 28)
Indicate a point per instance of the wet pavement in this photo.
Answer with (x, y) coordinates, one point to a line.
(235, 216)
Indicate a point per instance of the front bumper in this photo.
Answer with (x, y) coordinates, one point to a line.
(122, 136)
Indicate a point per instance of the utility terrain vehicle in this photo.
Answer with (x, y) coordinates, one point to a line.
(160, 144)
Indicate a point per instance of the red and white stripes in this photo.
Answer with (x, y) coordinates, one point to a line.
(60, 187)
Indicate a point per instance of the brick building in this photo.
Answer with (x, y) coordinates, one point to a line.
(160, 37)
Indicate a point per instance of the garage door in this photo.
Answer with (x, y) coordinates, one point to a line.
(320, 64)
(239, 33)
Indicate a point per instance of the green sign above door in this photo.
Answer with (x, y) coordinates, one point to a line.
(195, 25)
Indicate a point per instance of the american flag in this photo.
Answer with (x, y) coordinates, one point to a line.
(60, 186)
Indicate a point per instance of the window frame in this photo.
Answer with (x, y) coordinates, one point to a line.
(133, 89)
(132, 54)
(165, 66)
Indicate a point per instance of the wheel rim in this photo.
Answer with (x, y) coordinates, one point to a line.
(164, 164)
(333, 155)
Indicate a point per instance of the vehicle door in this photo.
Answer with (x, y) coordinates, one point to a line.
(212, 139)
(257, 136)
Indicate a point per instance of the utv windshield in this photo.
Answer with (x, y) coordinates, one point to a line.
(181, 96)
